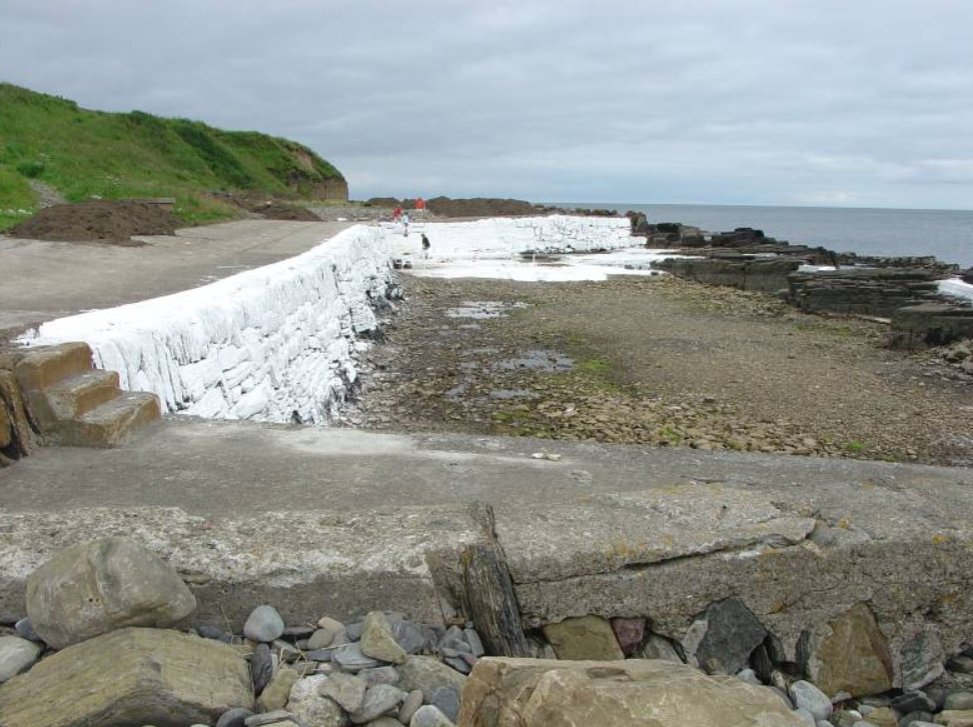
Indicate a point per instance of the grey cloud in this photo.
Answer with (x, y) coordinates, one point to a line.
(695, 101)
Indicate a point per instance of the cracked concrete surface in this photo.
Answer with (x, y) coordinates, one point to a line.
(340, 521)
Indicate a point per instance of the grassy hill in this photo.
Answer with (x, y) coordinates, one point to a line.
(83, 154)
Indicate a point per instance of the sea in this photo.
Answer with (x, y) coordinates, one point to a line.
(947, 234)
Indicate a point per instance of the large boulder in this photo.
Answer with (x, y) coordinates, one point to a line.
(129, 677)
(96, 587)
(532, 692)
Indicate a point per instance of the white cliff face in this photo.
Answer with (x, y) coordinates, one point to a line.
(262, 344)
(285, 338)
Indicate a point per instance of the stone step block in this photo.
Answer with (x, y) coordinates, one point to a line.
(80, 394)
(43, 367)
(111, 423)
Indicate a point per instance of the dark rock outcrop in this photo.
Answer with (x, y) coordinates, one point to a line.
(767, 275)
(930, 324)
(863, 291)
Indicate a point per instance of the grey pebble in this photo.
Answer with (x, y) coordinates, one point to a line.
(278, 715)
(459, 664)
(958, 700)
(319, 655)
(412, 702)
(263, 624)
(261, 667)
(429, 716)
(379, 675)
(233, 717)
(211, 632)
(26, 630)
(350, 658)
(446, 699)
(380, 699)
(353, 630)
(409, 636)
(473, 639)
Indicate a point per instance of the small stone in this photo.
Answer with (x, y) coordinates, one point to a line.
(380, 699)
(377, 640)
(269, 718)
(26, 630)
(354, 630)
(412, 702)
(459, 664)
(263, 624)
(235, 717)
(584, 638)
(313, 709)
(476, 644)
(454, 639)
(319, 655)
(659, 647)
(350, 658)
(913, 702)
(384, 722)
(298, 632)
(954, 717)
(809, 697)
(447, 700)
(429, 716)
(958, 700)
(320, 638)
(16, 655)
(750, 677)
(629, 632)
(426, 674)
(261, 667)
(883, 717)
(916, 718)
(330, 624)
(348, 691)
(277, 691)
(379, 675)
(211, 632)
(963, 664)
(286, 652)
(805, 715)
(409, 636)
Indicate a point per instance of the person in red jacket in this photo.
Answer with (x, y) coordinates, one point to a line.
(396, 213)
(420, 205)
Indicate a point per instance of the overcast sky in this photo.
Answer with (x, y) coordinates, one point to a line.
(820, 102)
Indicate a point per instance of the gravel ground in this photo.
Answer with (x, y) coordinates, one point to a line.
(662, 362)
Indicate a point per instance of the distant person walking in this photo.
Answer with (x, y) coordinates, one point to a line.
(397, 213)
(425, 246)
(420, 205)
(405, 224)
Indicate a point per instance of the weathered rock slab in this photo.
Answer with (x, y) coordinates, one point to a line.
(526, 692)
(93, 588)
(129, 677)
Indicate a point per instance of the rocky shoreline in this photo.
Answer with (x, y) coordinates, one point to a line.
(104, 642)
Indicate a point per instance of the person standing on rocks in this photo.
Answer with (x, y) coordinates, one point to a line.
(405, 224)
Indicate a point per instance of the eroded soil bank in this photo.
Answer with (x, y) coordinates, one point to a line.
(663, 362)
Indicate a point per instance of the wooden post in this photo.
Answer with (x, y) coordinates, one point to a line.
(490, 593)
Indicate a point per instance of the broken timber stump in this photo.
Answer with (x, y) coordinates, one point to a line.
(489, 592)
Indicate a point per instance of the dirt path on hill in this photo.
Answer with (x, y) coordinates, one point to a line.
(663, 362)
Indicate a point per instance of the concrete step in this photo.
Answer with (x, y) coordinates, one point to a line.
(43, 367)
(80, 394)
(111, 423)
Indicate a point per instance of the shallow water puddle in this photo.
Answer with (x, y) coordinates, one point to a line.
(479, 309)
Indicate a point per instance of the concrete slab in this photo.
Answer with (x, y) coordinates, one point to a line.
(336, 520)
(44, 280)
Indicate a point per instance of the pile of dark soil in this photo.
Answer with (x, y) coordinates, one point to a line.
(479, 207)
(281, 211)
(112, 222)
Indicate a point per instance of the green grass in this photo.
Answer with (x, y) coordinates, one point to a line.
(855, 447)
(85, 154)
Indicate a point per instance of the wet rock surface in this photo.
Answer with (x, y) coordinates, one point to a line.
(662, 362)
